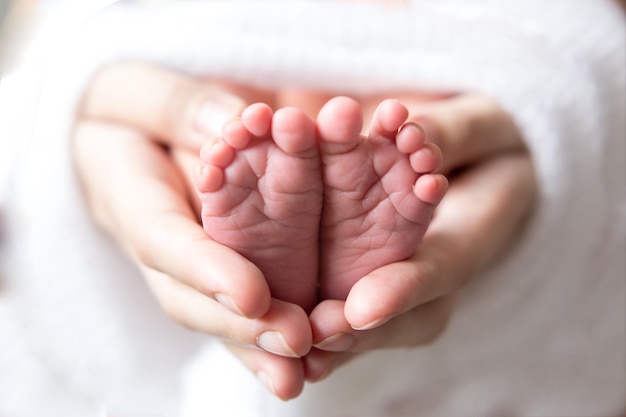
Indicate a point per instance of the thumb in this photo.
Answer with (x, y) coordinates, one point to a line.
(174, 108)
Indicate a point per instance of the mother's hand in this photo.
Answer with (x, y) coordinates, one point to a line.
(144, 204)
(409, 303)
(139, 196)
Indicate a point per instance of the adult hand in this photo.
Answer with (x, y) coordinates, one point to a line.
(184, 268)
(144, 204)
(409, 303)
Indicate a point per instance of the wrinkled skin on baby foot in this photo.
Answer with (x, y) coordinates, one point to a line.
(379, 195)
(261, 193)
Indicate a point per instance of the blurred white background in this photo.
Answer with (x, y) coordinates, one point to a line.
(27, 27)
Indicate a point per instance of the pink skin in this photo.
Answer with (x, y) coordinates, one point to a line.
(378, 194)
(261, 193)
(275, 182)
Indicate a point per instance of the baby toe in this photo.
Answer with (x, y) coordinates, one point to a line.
(339, 123)
(388, 118)
(294, 132)
(410, 138)
(208, 178)
(426, 159)
(257, 119)
(431, 188)
(236, 134)
(217, 152)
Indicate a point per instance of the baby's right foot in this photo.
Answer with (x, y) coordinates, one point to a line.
(261, 193)
(379, 193)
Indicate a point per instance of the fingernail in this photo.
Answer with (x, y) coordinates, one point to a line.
(375, 323)
(274, 342)
(266, 381)
(229, 303)
(337, 343)
(213, 114)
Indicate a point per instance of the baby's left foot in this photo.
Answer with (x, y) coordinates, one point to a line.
(379, 193)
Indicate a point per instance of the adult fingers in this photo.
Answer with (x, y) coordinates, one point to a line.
(409, 303)
(467, 128)
(282, 331)
(281, 376)
(336, 342)
(421, 325)
(270, 347)
(143, 204)
(481, 213)
(173, 107)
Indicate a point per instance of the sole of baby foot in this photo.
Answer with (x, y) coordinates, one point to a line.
(379, 193)
(261, 193)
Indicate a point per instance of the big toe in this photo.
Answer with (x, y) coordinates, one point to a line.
(339, 124)
(293, 131)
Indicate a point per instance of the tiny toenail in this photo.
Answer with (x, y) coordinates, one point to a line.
(417, 129)
(199, 168)
(215, 147)
(337, 343)
(207, 149)
(274, 342)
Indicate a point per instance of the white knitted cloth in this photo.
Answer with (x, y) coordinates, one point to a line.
(541, 334)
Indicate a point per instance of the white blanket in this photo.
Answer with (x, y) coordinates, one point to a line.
(541, 333)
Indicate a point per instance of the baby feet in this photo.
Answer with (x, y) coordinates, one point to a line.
(379, 195)
(317, 203)
(261, 193)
